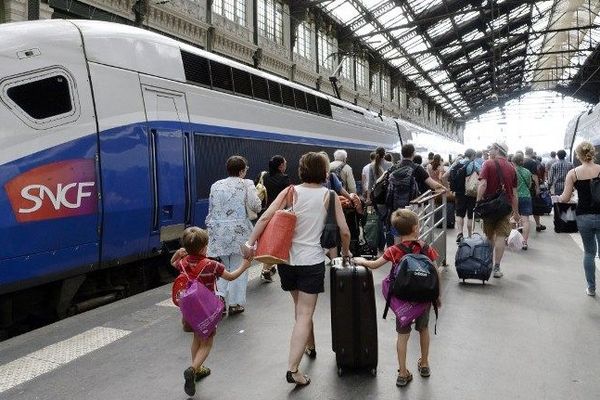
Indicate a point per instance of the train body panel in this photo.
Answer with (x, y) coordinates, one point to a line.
(121, 173)
(584, 127)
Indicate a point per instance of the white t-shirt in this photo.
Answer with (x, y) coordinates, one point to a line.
(310, 220)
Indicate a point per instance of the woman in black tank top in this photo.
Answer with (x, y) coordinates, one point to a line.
(587, 211)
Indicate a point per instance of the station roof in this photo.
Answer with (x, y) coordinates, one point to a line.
(470, 56)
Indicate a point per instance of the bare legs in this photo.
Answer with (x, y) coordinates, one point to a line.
(302, 334)
(526, 223)
(202, 347)
(401, 346)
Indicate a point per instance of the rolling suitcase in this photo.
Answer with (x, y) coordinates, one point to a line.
(353, 317)
(474, 258)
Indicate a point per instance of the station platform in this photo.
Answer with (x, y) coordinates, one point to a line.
(532, 334)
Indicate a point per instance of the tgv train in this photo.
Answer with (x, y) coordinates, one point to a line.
(111, 136)
(584, 127)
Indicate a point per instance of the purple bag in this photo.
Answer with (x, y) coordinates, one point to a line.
(201, 308)
(406, 312)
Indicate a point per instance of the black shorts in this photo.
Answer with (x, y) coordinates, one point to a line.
(464, 206)
(305, 278)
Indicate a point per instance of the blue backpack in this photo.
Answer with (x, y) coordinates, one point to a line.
(402, 187)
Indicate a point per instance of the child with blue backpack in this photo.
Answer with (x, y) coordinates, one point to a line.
(406, 223)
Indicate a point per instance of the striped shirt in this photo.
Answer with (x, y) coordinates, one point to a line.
(557, 175)
(205, 270)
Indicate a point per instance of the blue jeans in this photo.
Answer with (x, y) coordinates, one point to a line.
(589, 228)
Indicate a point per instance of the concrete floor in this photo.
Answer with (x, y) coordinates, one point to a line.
(531, 335)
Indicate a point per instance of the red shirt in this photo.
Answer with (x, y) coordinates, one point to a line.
(488, 172)
(395, 253)
(204, 269)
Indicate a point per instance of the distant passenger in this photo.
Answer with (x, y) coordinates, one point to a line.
(429, 159)
(435, 169)
(275, 182)
(550, 162)
(192, 259)
(497, 230)
(365, 176)
(532, 164)
(479, 159)
(342, 170)
(406, 223)
(229, 227)
(558, 173)
(389, 157)
(304, 276)
(587, 211)
(418, 160)
(377, 170)
(524, 183)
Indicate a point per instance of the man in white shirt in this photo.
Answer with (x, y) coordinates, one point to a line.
(365, 176)
(343, 170)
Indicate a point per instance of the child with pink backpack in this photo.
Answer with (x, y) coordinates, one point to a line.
(191, 260)
(406, 223)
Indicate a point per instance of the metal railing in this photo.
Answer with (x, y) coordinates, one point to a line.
(433, 223)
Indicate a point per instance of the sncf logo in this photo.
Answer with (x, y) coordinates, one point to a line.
(57, 190)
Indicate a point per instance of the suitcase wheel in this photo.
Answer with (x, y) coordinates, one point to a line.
(340, 371)
(373, 371)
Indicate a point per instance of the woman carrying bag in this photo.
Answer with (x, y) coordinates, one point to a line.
(304, 274)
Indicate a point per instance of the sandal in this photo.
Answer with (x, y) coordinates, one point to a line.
(202, 372)
(310, 352)
(237, 309)
(525, 247)
(289, 376)
(403, 380)
(424, 371)
(266, 275)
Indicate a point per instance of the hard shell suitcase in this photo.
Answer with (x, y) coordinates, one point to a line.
(353, 317)
(474, 258)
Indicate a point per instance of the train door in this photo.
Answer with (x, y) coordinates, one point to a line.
(169, 148)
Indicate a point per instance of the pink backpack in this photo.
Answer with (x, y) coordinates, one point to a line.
(200, 307)
(406, 312)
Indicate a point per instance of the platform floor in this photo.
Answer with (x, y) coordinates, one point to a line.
(532, 334)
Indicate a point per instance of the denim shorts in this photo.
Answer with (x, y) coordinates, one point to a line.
(525, 206)
(305, 278)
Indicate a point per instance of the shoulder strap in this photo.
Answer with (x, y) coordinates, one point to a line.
(500, 175)
(331, 208)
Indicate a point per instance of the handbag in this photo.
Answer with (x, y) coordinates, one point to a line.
(330, 235)
(472, 183)
(496, 206)
(250, 213)
(275, 242)
(200, 307)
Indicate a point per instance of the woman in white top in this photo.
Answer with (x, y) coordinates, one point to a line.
(304, 276)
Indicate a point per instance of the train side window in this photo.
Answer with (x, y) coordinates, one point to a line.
(287, 94)
(260, 88)
(324, 106)
(221, 76)
(311, 103)
(196, 68)
(275, 92)
(300, 98)
(242, 83)
(43, 98)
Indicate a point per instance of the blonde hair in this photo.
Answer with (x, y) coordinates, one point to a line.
(585, 152)
(194, 240)
(404, 221)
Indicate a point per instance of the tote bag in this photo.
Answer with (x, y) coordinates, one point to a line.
(276, 240)
(201, 308)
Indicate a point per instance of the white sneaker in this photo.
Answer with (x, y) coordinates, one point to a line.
(590, 292)
(497, 272)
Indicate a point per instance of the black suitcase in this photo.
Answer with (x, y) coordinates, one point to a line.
(562, 223)
(353, 317)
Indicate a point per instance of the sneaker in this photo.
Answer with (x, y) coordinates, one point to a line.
(590, 292)
(540, 228)
(459, 238)
(190, 384)
(202, 372)
(497, 272)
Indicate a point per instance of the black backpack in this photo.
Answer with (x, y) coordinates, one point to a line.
(338, 172)
(458, 175)
(402, 187)
(416, 278)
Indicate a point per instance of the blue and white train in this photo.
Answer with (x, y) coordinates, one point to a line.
(111, 136)
(584, 127)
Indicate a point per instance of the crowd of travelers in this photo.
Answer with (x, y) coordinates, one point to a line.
(240, 210)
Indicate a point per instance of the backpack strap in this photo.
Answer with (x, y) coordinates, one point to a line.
(500, 176)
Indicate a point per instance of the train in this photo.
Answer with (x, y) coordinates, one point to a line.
(111, 137)
(584, 127)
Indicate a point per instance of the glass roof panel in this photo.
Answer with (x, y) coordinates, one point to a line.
(343, 10)
(440, 28)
